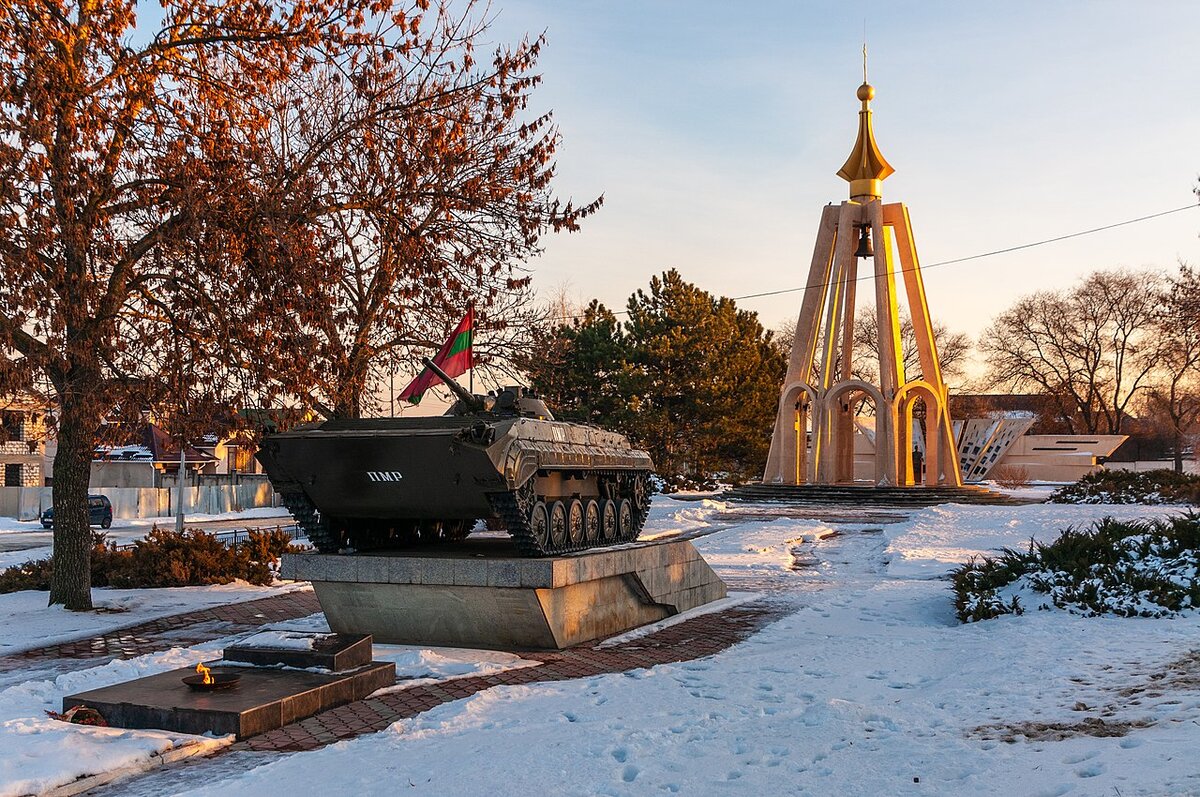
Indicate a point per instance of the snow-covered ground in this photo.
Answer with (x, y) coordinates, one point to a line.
(868, 686)
(27, 622)
(1034, 491)
(38, 753)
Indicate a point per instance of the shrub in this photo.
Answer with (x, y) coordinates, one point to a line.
(167, 559)
(1140, 568)
(1011, 477)
(266, 546)
(36, 574)
(28, 575)
(260, 552)
(1131, 487)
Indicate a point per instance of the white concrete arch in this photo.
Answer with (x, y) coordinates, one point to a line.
(838, 440)
(940, 460)
(787, 462)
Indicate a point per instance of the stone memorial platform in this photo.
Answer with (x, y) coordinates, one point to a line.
(276, 692)
(480, 594)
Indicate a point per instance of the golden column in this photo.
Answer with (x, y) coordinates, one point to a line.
(820, 389)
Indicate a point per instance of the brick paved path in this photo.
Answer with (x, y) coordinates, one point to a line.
(177, 630)
(690, 639)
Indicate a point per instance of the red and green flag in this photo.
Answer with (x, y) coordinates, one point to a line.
(454, 358)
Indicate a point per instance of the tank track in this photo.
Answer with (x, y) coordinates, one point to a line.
(308, 518)
(514, 508)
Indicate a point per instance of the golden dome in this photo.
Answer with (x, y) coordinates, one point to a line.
(866, 168)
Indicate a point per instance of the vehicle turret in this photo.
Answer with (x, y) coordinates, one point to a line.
(511, 401)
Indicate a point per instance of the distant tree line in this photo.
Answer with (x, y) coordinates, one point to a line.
(1118, 345)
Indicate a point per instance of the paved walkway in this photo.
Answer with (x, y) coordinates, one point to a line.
(176, 630)
(691, 639)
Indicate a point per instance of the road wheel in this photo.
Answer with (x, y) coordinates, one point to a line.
(608, 521)
(539, 525)
(575, 521)
(625, 524)
(591, 522)
(558, 525)
(106, 523)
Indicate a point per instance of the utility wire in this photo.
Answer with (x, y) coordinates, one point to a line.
(954, 261)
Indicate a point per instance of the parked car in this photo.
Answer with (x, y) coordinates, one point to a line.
(99, 513)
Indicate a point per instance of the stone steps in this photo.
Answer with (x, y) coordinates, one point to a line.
(863, 495)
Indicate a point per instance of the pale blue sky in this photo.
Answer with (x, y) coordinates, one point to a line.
(715, 131)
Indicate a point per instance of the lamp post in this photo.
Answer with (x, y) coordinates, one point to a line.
(179, 488)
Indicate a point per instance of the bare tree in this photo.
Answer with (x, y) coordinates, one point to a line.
(953, 348)
(433, 188)
(1174, 398)
(1092, 348)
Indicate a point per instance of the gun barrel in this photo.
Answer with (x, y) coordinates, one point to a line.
(455, 387)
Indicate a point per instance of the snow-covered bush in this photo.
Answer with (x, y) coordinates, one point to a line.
(1139, 568)
(1131, 487)
(167, 559)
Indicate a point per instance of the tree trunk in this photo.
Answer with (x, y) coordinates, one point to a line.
(348, 408)
(71, 584)
(349, 396)
(1178, 452)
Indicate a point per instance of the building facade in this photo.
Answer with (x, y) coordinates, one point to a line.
(22, 442)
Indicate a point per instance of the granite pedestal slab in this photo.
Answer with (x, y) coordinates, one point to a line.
(266, 697)
(479, 594)
(333, 652)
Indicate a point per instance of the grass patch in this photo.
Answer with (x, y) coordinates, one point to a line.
(1129, 487)
(1139, 568)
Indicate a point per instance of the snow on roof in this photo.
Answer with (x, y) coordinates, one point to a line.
(128, 453)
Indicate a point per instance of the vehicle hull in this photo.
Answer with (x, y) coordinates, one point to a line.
(388, 474)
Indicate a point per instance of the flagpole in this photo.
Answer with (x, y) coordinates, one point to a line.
(471, 355)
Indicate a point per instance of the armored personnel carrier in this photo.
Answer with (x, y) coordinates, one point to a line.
(557, 487)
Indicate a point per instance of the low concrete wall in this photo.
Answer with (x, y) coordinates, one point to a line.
(1189, 465)
(23, 503)
(122, 474)
(27, 503)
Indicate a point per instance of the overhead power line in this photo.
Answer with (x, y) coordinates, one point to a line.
(953, 261)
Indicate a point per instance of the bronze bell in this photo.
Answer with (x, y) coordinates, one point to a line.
(864, 242)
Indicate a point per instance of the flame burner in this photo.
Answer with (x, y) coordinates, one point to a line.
(215, 681)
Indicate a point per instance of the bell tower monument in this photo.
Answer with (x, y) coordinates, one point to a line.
(822, 400)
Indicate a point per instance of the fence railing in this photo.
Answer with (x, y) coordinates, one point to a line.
(232, 538)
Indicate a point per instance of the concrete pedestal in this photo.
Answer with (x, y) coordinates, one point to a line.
(477, 594)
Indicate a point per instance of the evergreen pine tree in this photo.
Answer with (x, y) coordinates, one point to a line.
(688, 376)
